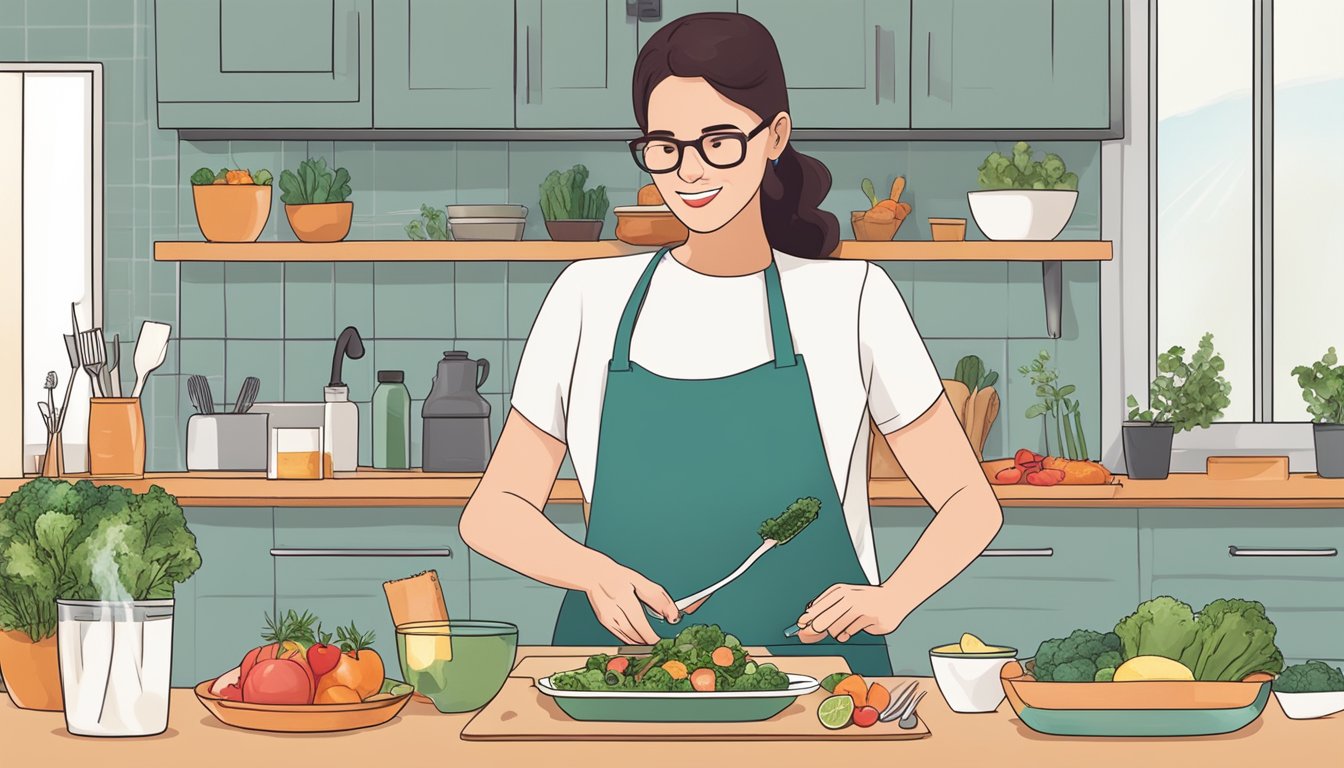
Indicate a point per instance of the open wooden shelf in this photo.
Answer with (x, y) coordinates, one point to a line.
(548, 250)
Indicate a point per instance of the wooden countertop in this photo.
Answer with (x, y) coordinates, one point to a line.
(194, 737)
(373, 488)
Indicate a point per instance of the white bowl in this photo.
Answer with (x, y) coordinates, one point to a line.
(1022, 214)
(970, 683)
(1306, 706)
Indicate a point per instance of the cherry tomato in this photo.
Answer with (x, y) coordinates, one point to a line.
(865, 716)
(618, 664)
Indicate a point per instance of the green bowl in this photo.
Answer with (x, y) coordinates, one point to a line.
(678, 707)
(459, 665)
(1144, 722)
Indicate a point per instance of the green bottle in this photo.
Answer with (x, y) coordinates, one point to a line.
(391, 422)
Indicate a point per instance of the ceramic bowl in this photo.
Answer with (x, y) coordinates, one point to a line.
(970, 682)
(1022, 214)
(1308, 706)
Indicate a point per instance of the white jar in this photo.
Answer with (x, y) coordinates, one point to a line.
(340, 429)
(116, 662)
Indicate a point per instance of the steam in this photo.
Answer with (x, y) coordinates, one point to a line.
(104, 571)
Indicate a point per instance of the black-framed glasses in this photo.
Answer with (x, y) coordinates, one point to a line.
(718, 148)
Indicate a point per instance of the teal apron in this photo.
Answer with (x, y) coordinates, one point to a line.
(686, 472)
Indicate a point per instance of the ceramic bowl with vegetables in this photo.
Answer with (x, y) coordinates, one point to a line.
(232, 205)
(1021, 198)
(1311, 690)
(571, 212)
(967, 673)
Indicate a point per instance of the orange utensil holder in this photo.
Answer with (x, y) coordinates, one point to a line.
(116, 437)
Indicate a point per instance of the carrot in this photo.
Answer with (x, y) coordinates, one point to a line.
(855, 687)
(880, 215)
(889, 204)
(723, 656)
(897, 187)
(702, 679)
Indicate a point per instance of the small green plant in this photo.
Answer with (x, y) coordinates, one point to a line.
(1056, 405)
(1187, 395)
(204, 176)
(1322, 385)
(971, 371)
(432, 224)
(314, 183)
(563, 196)
(1021, 172)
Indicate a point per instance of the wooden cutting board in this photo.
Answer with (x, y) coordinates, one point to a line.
(522, 713)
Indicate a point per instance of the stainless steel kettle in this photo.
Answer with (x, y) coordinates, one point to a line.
(456, 418)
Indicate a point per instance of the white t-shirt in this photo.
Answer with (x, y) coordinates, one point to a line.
(848, 321)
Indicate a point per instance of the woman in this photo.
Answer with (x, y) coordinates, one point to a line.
(701, 389)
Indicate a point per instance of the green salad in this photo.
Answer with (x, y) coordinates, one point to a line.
(700, 658)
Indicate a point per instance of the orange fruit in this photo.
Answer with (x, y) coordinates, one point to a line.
(676, 669)
(855, 687)
(879, 698)
(336, 694)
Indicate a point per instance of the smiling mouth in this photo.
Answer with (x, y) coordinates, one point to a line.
(699, 199)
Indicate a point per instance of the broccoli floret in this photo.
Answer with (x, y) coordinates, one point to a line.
(702, 637)
(791, 522)
(579, 680)
(1163, 626)
(598, 661)
(1312, 677)
(1084, 645)
(656, 679)
(1104, 675)
(1076, 671)
(1111, 659)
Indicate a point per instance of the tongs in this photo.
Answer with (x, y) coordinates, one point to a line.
(688, 604)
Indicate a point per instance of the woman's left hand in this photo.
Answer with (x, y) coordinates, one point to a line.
(845, 610)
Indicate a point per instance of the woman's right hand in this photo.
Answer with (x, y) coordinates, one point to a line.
(618, 596)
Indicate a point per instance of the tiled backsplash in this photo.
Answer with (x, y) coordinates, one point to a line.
(279, 321)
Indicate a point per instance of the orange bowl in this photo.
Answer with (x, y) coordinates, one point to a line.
(654, 225)
(1023, 691)
(301, 718)
(231, 213)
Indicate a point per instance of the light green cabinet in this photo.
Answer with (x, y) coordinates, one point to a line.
(218, 613)
(846, 61)
(1040, 64)
(501, 594)
(1048, 572)
(443, 64)
(1288, 559)
(264, 64)
(333, 562)
(576, 59)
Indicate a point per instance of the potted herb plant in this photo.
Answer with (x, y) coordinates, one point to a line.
(232, 206)
(1322, 385)
(1182, 397)
(571, 212)
(315, 201)
(109, 557)
(1021, 198)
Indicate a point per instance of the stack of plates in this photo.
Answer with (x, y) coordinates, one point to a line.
(487, 222)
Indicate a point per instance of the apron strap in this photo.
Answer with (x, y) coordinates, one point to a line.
(780, 336)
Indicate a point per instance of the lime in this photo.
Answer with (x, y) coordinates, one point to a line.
(835, 711)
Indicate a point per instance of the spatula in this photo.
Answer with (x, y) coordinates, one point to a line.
(150, 349)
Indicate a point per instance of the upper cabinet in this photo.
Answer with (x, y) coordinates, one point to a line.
(1042, 64)
(845, 61)
(967, 65)
(440, 64)
(261, 63)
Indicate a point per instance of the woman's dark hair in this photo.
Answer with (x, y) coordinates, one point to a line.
(737, 56)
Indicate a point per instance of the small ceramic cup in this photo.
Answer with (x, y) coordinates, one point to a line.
(970, 682)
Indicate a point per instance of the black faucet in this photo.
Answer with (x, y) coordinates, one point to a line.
(348, 345)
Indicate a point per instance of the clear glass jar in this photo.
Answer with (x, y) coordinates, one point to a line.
(296, 454)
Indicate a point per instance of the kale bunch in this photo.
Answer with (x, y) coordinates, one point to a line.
(1312, 677)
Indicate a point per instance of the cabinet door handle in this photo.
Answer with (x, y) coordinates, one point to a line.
(527, 64)
(1235, 551)
(425, 552)
(1034, 552)
(877, 64)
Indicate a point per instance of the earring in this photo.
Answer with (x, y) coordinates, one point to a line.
(775, 161)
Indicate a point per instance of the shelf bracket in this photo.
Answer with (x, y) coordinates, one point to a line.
(1052, 280)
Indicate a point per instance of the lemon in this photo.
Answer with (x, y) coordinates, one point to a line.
(972, 644)
(1152, 668)
(835, 712)
(423, 650)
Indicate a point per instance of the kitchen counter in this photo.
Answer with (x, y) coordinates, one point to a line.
(374, 488)
(194, 737)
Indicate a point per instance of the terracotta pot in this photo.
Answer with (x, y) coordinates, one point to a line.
(947, 229)
(32, 671)
(873, 230)
(320, 222)
(575, 229)
(232, 213)
(116, 437)
(649, 227)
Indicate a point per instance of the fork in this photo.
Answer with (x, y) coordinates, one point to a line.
(93, 354)
(908, 719)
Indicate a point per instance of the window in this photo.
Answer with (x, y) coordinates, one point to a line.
(1249, 186)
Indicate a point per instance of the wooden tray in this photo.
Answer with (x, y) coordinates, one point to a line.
(522, 713)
